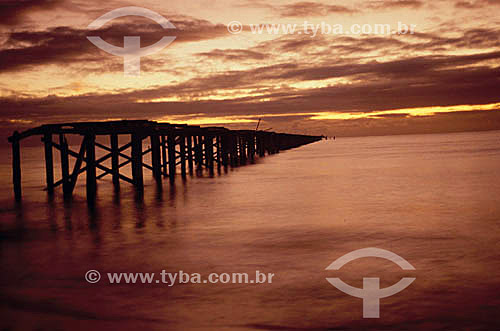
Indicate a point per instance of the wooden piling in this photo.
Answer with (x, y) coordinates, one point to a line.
(49, 162)
(250, 147)
(78, 164)
(137, 175)
(225, 150)
(209, 153)
(66, 181)
(218, 147)
(115, 161)
(16, 166)
(190, 153)
(91, 168)
(199, 152)
(172, 160)
(156, 158)
(260, 145)
(182, 150)
(233, 146)
(164, 155)
(243, 154)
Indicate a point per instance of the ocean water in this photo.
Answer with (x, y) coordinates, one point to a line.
(432, 199)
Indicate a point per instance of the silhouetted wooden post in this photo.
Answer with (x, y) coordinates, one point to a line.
(258, 143)
(91, 167)
(171, 157)
(254, 146)
(262, 147)
(182, 150)
(156, 157)
(224, 150)
(195, 151)
(233, 150)
(198, 150)
(65, 166)
(164, 155)
(16, 166)
(49, 162)
(250, 147)
(137, 175)
(209, 153)
(115, 159)
(218, 143)
(243, 155)
(78, 164)
(190, 153)
(268, 144)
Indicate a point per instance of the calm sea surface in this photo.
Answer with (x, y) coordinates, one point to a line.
(432, 199)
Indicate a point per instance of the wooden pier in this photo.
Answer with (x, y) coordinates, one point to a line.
(173, 148)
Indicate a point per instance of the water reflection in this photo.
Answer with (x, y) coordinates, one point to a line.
(425, 198)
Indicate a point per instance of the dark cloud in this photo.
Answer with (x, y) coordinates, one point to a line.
(404, 68)
(309, 9)
(467, 4)
(233, 55)
(12, 11)
(395, 4)
(346, 47)
(373, 84)
(300, 9)
(476, 4)
(473, 38)
(408, 82)
(416, 82)
(297, 45)
(65, 45)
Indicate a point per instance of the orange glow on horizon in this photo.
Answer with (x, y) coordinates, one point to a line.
(205, 119)
(414, 112)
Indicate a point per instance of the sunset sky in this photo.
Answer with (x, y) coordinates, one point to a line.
(444, 77)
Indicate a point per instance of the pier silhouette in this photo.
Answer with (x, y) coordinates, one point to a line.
(171, 146)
